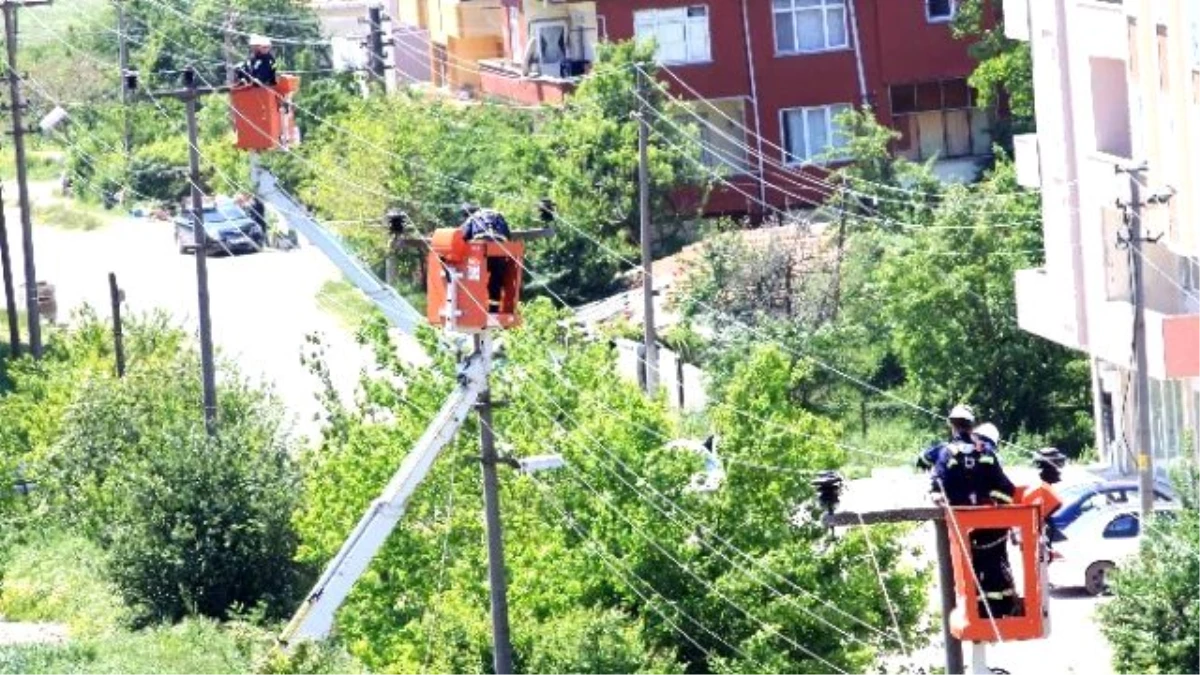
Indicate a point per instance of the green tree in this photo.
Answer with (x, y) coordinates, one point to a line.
(1153, 621)
(1004, 75)
(609, 556)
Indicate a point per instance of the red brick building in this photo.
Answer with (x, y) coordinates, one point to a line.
(773, 74)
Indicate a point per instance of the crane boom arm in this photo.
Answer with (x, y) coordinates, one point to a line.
(314, 619)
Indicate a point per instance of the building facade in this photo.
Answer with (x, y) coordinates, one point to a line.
(772, 74)
(1118, 96)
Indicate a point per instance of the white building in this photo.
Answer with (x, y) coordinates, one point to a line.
(1117, 85)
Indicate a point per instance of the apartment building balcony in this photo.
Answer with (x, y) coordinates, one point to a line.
(1098, 25)
(501, 78)
(1172, 339)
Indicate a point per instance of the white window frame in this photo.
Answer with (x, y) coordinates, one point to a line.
(823, 8)
(941, 19)
(831, 110)
(690, 23)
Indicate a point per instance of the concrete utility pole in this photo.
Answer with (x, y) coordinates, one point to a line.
(1145, 453)
(123, 56)
(10, 296)
(190, 94)
(650, 339)
(115, 296)
(230, 56)
(497, 581)
(17, 108)
(376, 58)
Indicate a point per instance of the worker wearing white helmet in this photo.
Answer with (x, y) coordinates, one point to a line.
(967, 472)
(987, 433)
(961, 418)
(259, 69)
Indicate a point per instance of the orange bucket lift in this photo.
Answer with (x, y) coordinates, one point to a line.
(1026, 516)
(458, 279)
(263, 117)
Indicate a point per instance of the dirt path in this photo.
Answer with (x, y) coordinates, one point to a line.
(31, 633)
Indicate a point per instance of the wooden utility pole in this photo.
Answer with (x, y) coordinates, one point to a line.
(648, 334)
(190, 94)
(10, 296)
(116, 295)
(17, 110)
(126, 98)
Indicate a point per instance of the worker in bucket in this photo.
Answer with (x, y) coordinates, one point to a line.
(259, 69)
(967, 472)
(488, 225)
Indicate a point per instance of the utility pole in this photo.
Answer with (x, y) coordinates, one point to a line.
(397, 223)
(201, 240)
(123, 51)
(230, 56)
(10, 297)
(116, 295)
(1145, 454)
(376, 62)
(497, 581)
(17, 108)
(651, 350)
(189, 94)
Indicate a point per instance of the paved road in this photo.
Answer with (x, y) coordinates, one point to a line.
(263, 305)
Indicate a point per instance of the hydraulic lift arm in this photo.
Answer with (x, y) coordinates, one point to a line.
(314, 619)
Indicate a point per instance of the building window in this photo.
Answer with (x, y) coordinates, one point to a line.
(680, 34)
(939, 119)
(803, 26)
(940, 10)
(809, 134)
(722, 134)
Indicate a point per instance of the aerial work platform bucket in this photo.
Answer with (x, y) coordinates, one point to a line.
(458, 279)
(971, 622)
(263, 117)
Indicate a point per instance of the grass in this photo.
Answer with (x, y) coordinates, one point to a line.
(892, 442)
(69, 216)
(345, 302)
(59, 577)
(40, 165)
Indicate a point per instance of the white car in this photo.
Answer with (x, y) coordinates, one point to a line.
(1096, 543)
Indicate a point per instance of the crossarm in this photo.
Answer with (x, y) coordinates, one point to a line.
(314, 619)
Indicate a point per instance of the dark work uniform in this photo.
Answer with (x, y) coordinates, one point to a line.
(968, 473)
(259, 69)
(489, 225)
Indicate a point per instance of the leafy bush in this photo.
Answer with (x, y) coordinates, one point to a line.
(1153, 621)
(192, 524)
(60, 577)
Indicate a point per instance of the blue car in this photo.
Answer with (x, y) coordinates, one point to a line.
(1083, 497)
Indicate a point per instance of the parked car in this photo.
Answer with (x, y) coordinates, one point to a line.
(1080, 498)
(1097, 542)
(229, 227)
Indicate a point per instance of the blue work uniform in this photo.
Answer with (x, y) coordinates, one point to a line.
(968, 472)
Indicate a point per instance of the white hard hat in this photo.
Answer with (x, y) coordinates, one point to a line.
(260, 41)
(962, 412)
(989, 431)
